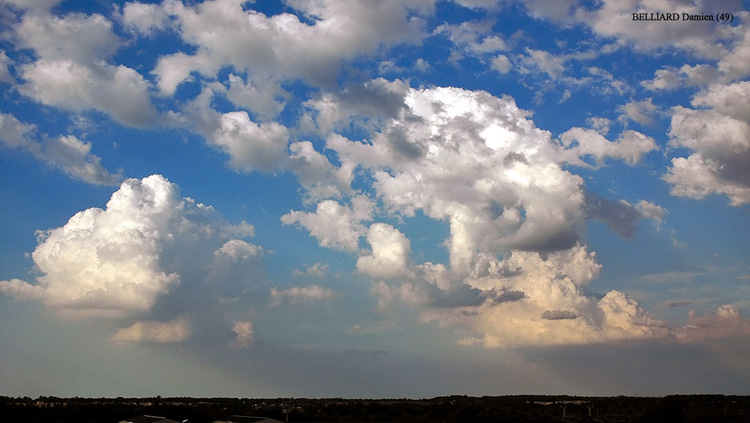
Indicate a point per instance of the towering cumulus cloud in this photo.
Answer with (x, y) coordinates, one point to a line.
(116, 262)
(517, 266)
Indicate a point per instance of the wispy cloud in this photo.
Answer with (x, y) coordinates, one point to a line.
(300, 294)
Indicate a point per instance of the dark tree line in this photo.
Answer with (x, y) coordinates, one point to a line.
(452, 409)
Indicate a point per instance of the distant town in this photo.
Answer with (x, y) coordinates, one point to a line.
(516, 408)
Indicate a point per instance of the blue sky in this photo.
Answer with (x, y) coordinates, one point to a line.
(373, 199)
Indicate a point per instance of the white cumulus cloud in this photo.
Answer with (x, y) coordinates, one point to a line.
(244, 331)
(390, 252)
(283, 46)
(237, 249)
(717, 131)
(68, 153)
(316, 173)
(333, 224)
(144, 18)
(72, 69)
(116, 262)
(630, 146)
(642, 112)
(502, 64)
(252, 146)
(177, 330)
(724, 322)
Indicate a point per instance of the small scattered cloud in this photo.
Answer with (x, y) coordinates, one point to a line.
(651, 211)
(67, 153)
(543, 61)
(502, 64)
(301, 294)
(317, 270)
(390, 252)
(333, 224)
(642, 112)
(725, 322)
(474, 38)
(688, 75)
(422, 65)
(244, 334)
(236, 249)
(630, 146)
(664, 79)
(177, 330)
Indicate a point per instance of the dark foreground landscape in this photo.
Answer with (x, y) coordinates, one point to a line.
(521, 408)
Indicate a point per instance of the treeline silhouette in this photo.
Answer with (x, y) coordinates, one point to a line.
(450, 409)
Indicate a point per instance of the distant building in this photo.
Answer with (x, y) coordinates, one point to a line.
(247, 419)
(149, 419)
